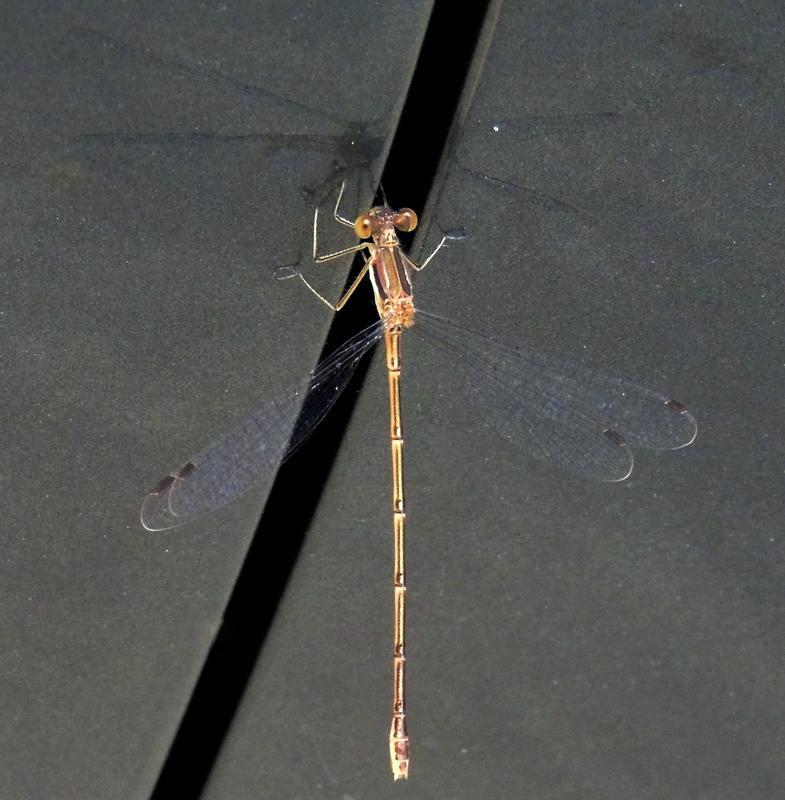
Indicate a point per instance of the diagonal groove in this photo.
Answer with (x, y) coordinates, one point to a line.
(440, 77)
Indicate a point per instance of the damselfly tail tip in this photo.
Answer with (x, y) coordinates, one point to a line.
(400, 769)
(399, 749)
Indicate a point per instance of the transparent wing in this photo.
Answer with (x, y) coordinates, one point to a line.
(575, 417)
(251, 452)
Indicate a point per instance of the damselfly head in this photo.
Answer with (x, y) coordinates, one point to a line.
(381, 217)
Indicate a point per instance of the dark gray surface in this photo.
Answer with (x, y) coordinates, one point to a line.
(153, 163)
(569, 639)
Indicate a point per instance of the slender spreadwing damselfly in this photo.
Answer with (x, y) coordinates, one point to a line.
(575, 417)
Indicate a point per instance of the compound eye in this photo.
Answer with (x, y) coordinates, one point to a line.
(405, 220)
(362, 227)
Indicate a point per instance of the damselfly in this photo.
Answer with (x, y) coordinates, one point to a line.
(573, 416)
